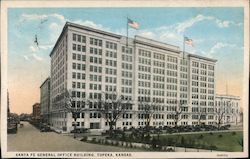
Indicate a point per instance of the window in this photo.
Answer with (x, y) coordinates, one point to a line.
(74, 47)
(74, 37)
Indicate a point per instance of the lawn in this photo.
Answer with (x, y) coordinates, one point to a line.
(224, 141)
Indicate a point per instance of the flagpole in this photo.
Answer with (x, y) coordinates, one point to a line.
(127, 33)
(183, 46)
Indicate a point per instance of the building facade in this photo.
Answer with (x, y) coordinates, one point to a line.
(228, 109)
(45, 100)
(88, 61)
(36, 111)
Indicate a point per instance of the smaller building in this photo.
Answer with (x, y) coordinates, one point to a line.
(227, 109)
(36, 113)
(45, 101)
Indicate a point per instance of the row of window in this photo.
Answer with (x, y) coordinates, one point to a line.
(158, 78)
(80, 48)
(159, 71)
(78, 66)
(144, 53)
(159, 64)
(144, 68)
(95, 69)
(95, 51)
(111, 71)
(111, 54)
(144, 61)
(159, 56)
(79, 38)
(126, 74)
(78, 57)
(126, 90)
(78, 75)
(96, 42)
(79, 85)
(110, 88)
(111, 45)
(143, 84)
(127, 82)
(127, 58)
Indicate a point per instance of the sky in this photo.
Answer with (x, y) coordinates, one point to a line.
(216, 32)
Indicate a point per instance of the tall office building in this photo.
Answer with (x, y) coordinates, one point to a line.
(45, 100)
(88, 61)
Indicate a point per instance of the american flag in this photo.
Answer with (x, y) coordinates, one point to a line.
(188, 41)
(133, 24)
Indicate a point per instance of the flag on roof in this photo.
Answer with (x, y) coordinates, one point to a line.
(133, 24)
(188, 41)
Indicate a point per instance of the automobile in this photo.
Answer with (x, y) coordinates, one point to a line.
(12, 125)
(79, 130)
(12, 128)
(45, 128)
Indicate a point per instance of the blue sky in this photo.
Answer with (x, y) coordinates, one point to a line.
(216, 32)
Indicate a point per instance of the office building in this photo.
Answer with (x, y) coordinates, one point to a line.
(36, 111)
(45, 101)
(228, 109)
(87, 62)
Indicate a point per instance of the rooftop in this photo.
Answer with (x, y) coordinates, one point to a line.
(137, 39)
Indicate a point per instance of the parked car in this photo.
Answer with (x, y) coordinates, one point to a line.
(79, 130)
(12, 125)
(45, 128)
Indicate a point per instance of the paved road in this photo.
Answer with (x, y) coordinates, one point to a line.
(29, 138)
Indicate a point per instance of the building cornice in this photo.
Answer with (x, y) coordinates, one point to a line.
(45, 81)
(202, 57)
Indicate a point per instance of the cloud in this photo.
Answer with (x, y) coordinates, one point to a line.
(32, 57)
(148, 34)
(54, 26)
(181, 27)
(33, 49)
(42, 16)
(26, 57)
(218, 46)
(223, 24)
(45, 47)
(37, 57)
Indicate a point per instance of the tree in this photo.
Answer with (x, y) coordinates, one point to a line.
(176, 115)
(73, 108)
(220, 113)
(146, 111)
(112, 106)
(201, 115)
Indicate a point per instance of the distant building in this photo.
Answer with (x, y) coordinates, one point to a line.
(87, 62)
(36, 113)
(229, 108)
(45, 100)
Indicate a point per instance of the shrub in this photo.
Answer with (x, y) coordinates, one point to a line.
(211, 133)
(117, 143)
(85, 138)
(106, 142)
(220, 136)
(127, 144)
(234, 133)
(213, 147)
(130, 145)
(201, 136)
(94, 140)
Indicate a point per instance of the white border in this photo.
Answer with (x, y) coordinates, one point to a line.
(126, 3)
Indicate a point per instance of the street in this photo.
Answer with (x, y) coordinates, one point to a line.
(28, 138)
